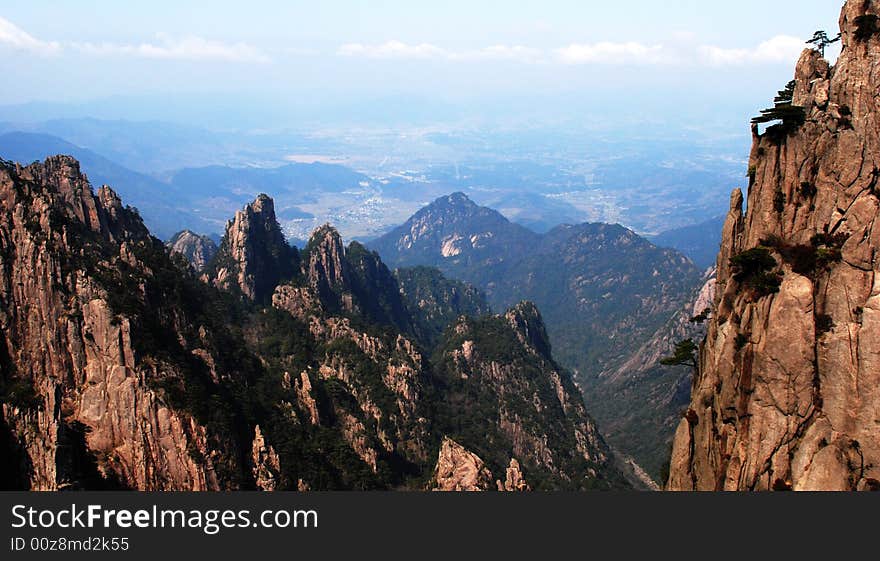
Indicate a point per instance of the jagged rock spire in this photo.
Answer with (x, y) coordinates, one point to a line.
(326, 269)
(253, 257)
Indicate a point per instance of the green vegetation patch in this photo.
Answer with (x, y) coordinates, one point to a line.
(755, 269)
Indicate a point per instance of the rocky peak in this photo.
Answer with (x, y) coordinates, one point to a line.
(62, 174)
(326, 268)
(198, 250)
(457, 201)
(514, 480)
(452, 228)
(60, 182)
(526, 321)
(265, 462)
(785, 397)
(349, 281)
(459, 469)
(80, 297)
(253, 256)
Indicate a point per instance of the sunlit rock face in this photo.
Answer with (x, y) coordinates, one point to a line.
(788, 393)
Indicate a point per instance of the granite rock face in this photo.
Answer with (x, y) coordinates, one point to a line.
(266, 465)
(76, 399)
(788, 390)
(460, 470)
(514, 480)
(198, 250)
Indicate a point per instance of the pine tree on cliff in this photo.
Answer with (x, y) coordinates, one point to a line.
(821, 41)
(685, 354)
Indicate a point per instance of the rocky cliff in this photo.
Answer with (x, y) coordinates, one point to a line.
(504, 398)
(788, 390)
(76, 277)
(253, 256)
(198, 250)
(121, 368)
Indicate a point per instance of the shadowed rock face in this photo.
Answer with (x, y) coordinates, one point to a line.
(788, 394)
(253, 256)
(500, 385)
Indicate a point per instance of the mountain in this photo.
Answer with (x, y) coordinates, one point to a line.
(440, 301)
(604, 291)
(641, 401)
(253, 256)
(455, 234)
(198, 250)
(786, 394)
(122, 368)
(500, 383)
(153, 199)
(699, 241)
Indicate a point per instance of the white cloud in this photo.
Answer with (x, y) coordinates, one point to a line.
(779, 49)
(14, 36)
(682, 48)
(179, 48)
(612, 53)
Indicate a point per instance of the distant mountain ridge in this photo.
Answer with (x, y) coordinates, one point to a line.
(579, 276)
(604, 292)
(210, 180)
(149, 195)
(700, 242)
(196, 198)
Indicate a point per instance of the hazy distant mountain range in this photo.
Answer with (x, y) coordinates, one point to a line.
(538, 178)
(700, 241)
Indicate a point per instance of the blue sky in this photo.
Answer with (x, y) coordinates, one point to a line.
(633, 54)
